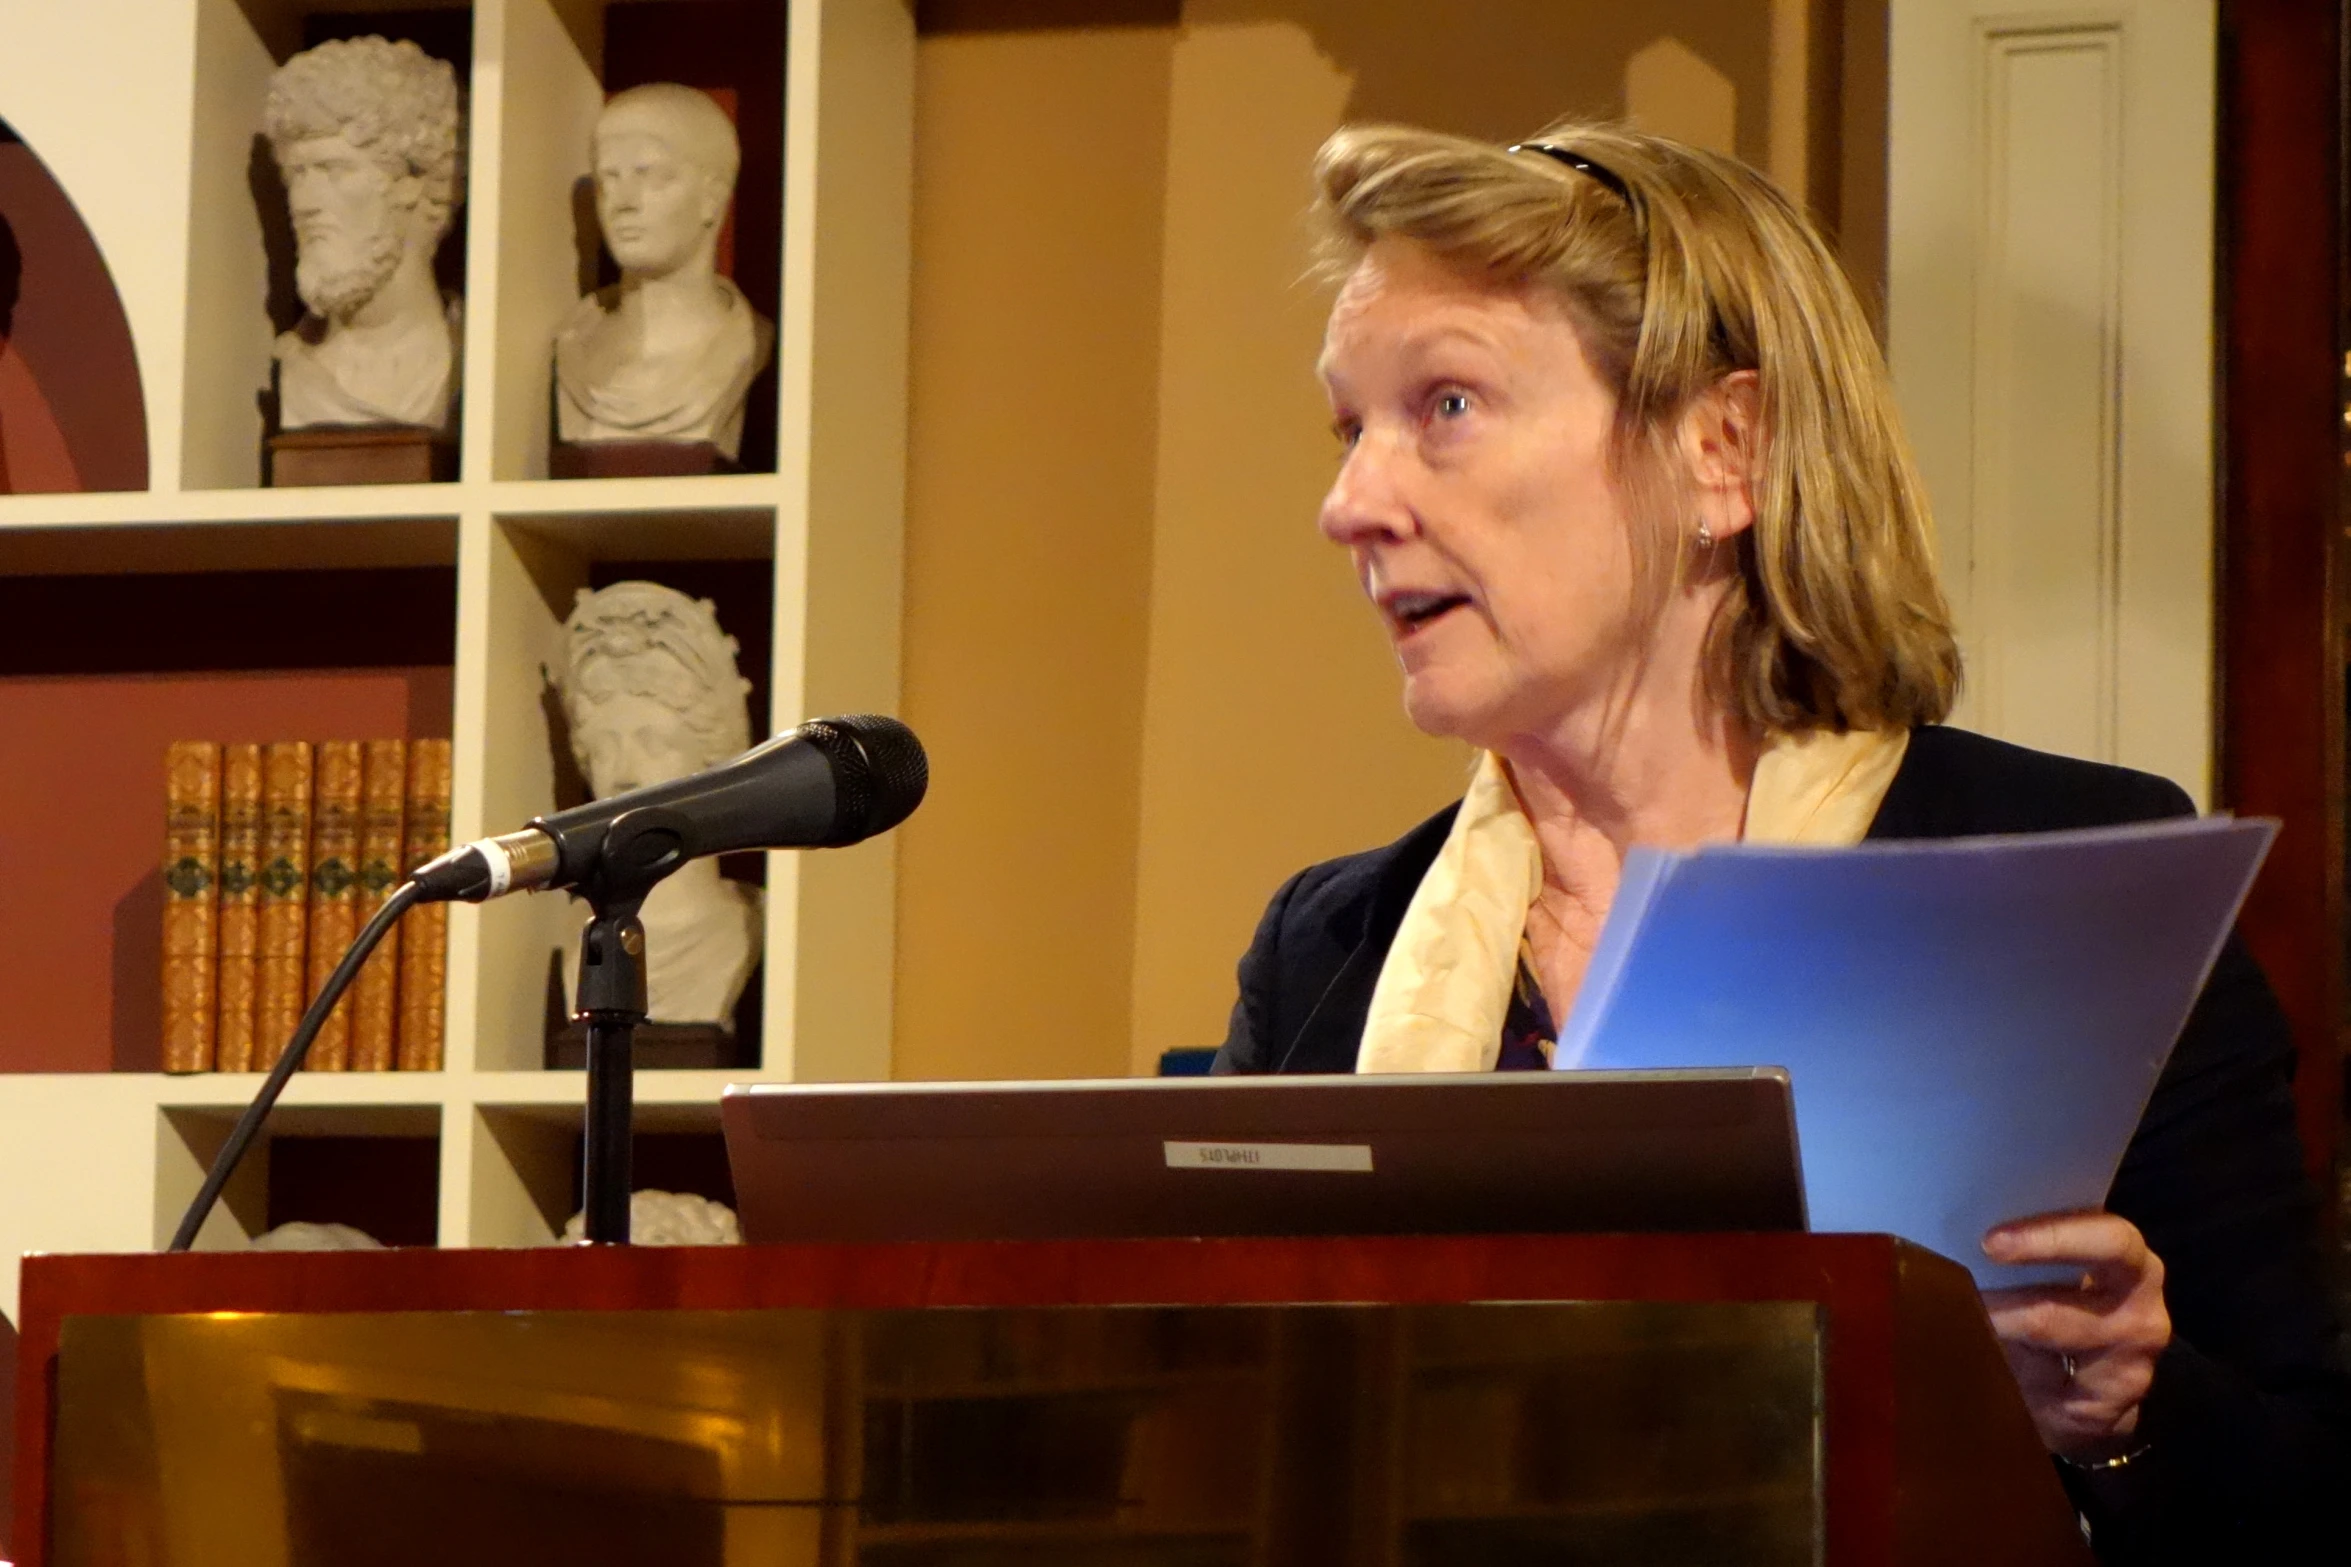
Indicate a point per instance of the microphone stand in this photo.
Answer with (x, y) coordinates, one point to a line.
(640, 848)
(611, 1004)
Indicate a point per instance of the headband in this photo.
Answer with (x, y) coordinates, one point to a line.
(1582, 165)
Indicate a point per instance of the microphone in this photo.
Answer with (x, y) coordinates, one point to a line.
(827, 784)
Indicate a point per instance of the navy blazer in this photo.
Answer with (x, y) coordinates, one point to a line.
(2249, 1420)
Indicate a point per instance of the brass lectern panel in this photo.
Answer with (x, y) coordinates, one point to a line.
(1112, 1437)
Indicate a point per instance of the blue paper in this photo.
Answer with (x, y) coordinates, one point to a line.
(1972, 1025)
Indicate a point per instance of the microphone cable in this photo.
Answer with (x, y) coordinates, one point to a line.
(232, 1153)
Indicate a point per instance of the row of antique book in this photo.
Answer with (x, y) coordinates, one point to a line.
(274, 857)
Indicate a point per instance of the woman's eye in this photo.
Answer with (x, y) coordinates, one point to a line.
(1451, 405)
(1348, 433)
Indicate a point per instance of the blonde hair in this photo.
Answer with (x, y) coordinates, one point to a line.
(1680, 267)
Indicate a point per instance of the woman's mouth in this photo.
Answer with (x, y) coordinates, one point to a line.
(1410, 612)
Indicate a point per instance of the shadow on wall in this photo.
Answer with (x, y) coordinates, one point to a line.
(136, 1027)
(1564, 59)
(72, 415)
(11, 277)
(280, 297)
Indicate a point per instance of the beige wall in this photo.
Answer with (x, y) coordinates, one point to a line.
(1029, 501)
(1150, 690)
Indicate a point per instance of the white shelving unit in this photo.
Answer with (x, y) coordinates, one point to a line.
(146, 111)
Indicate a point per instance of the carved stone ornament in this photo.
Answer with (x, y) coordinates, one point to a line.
(669, 352)
(366, 137)
(670, 1219)
(305, 1235)
(651, 691)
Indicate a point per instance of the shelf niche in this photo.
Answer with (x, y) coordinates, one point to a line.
(561, 63)
(73, 413)
(538, 568)
(530, 1161)
(240, 239)
(104, 672)
(376, 1168)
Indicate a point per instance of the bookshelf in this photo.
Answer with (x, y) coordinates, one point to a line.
(145, 111)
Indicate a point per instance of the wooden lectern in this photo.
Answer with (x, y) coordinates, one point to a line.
(1390, 1402)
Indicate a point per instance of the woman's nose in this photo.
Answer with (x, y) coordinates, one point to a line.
(1364, 503)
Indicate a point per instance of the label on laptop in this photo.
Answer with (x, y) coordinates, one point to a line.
(1351, 1158)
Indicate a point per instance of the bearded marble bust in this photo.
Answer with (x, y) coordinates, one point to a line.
(365, 133)
(651, 691)
(669, 352)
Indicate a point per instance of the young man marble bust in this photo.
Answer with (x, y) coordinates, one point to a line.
(669, 352)
(651, 691)
(365, 133)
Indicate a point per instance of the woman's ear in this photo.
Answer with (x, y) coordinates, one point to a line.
(1722, 451)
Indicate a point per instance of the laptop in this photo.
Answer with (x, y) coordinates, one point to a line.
(1436, 1154)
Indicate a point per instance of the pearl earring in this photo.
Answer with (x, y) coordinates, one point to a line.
(1705, 538)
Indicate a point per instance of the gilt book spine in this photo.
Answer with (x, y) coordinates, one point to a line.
(383, 793)
(424, 953)
(191, 872)
(334, 890)
(240, 904)
(285, 901)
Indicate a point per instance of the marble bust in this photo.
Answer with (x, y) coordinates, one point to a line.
(651, 691)
(365, 133)
(658, 1218)
(668, 353)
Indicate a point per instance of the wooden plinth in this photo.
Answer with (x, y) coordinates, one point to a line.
(637, 459)
(659, 1047)
(360, 454)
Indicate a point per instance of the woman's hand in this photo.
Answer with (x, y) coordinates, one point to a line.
(2084, 1354)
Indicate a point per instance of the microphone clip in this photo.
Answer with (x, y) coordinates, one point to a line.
(638, 850)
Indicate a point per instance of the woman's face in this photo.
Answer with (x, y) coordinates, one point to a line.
(1475, 497)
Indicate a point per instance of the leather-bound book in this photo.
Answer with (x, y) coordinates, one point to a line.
(285, 898)
(191, 872)
(383, 795)
(240, 904)
(334, 890)
(424, 950)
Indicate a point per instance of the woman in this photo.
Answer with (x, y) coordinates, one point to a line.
(1622, 474)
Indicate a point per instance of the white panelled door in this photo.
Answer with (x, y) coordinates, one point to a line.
(2049, 320)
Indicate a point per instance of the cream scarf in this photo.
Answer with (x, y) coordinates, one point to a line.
(1446, 985)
